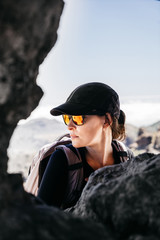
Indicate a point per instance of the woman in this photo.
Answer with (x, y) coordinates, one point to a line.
(95, 123)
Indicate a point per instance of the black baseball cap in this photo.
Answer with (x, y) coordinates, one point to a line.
(94, 98)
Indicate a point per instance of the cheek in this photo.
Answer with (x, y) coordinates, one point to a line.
(91, 131)
(88, 134)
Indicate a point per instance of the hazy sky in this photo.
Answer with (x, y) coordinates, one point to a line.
(112, 41)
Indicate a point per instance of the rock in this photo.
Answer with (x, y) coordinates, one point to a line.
(131, 134)
(125, 198)
(119, 202)
(147, 140)
(23, 216)
(144, 141)
(156, 142)
(133, 145)
(28, 32)
(144, 138)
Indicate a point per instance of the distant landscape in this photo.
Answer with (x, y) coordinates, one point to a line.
(28, 138)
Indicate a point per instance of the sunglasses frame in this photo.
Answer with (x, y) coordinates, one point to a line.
(71, 117)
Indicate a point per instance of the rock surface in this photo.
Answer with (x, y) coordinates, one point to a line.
(156, 142)
(22, 216)
(144, 138)
(148, 140)
(118, 202)
(28, 32)
(125, 198)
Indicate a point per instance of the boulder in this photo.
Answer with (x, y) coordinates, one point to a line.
(125, 198)
(118, 202)
(28, 32)
(24, 216)
(144, 138)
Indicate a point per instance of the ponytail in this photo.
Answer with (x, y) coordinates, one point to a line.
(118, 127)
(122, 118)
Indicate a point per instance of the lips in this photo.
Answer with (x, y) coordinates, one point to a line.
(73, 136)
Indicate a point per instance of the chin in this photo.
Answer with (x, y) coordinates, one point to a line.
(76, 144)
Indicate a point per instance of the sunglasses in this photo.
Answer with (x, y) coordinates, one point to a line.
(77, 120)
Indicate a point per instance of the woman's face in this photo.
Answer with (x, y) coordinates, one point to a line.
(89, 134)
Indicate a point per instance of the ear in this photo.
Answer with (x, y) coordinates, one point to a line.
(108, 119)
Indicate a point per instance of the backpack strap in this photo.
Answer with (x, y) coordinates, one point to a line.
(32, 182)
(48, 149)
(124, 152)
(75, 174)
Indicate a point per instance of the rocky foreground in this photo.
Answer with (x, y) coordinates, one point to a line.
(118, 202)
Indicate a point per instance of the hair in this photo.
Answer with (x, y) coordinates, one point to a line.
(118, 127)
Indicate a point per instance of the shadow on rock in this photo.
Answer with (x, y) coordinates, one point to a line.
(23, 216)
(125, 198)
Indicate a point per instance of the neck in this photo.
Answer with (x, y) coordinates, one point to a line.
(101, 154)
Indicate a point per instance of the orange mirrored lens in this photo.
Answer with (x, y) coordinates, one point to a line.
(78, 120)
(66, 119)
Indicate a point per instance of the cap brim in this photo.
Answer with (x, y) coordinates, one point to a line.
(70, 108)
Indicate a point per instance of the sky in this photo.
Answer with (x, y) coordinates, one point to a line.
(112, 41)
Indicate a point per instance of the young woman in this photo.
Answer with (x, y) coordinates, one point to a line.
(95, 123)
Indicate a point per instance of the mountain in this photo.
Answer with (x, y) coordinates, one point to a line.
(154, 127)
(28, 138)
(34, 134)
(131, 134)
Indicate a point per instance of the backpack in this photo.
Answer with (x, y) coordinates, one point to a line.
(75, 167)
(75, 174)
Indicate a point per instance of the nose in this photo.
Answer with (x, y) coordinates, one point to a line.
(71, 125)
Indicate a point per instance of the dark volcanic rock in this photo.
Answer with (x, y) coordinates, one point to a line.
(28, 31)
(149, 141)
(22, 216)
(125, 198)
(118, 202)
(144, 138)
